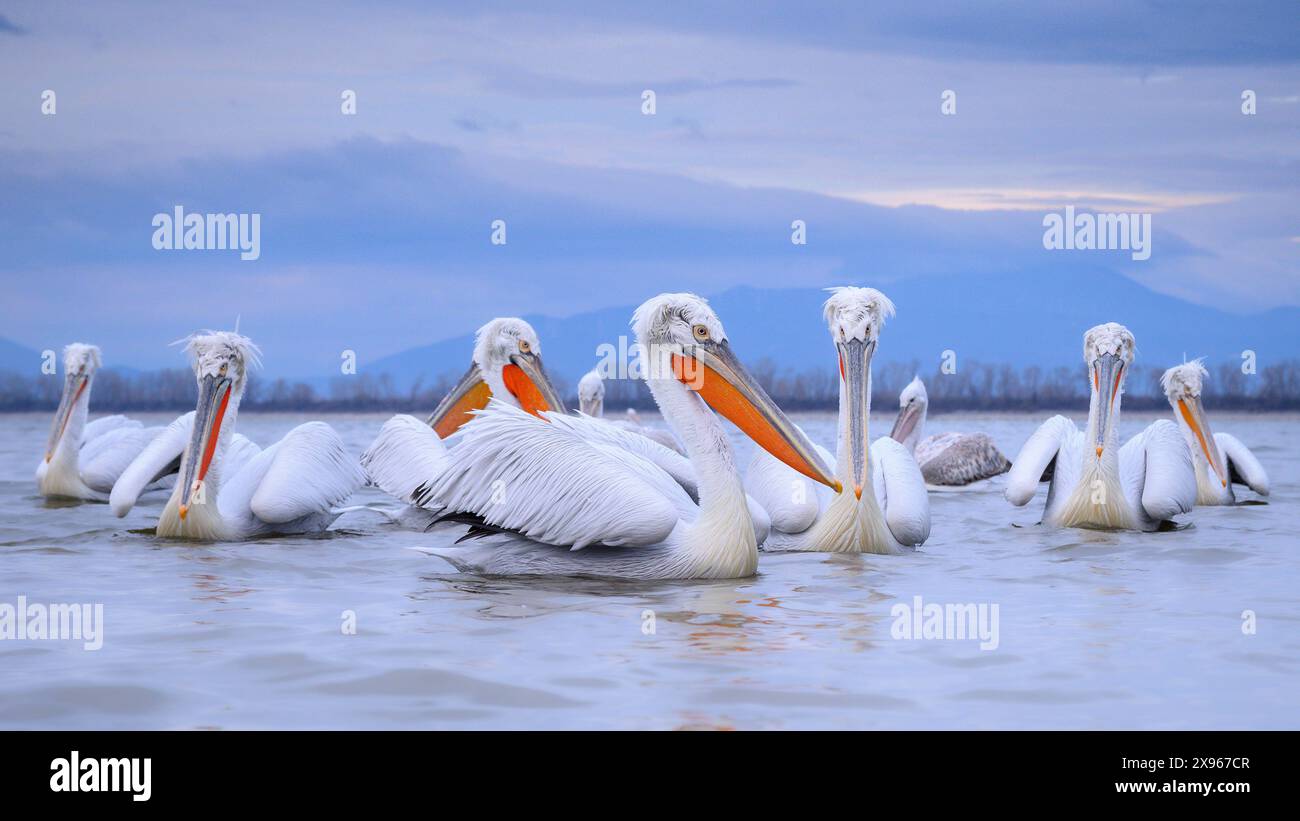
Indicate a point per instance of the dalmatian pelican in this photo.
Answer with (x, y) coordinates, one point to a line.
(946, 459)
(888, 512)
(1220, 459)
(229, 490)
(1095, 483)
(84, 459)
(591, 401)
(547, 499)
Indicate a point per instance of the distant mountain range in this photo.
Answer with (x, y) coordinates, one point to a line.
(966, 314)
(1018, 318)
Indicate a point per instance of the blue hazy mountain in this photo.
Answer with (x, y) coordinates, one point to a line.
(17, 358)
(1019, 318)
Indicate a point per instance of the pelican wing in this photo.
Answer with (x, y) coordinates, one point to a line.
(1034, 462)
(406, 454)
(105, 424)
(959, 458)
(542, 480)
(789, 497)
(104, 458)
(900, 491)
(1243, 467)
(308, 471)
(602, 430)
(154, 460)
(1169, 477)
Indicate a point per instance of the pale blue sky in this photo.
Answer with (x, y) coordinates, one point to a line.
(375, 226)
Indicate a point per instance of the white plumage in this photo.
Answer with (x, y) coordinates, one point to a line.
(84, 459)
(1094, 482)
(1219, 459)
(892, 513)
(581, 503)
(229, 489)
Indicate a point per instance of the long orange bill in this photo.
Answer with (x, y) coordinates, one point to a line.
(214, 398)
(713, 371)
(1193, 414)
(73, 387)
(1107, 374)
(527, 381)
(855, 362)
(457, 407)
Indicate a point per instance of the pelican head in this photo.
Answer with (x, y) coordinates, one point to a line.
(684, 343)
(1108, 350)
(591, 393)
(855, 317)
(80, 362)
(221, 360)
(913, 403)
(1182, 387)
(507, 365)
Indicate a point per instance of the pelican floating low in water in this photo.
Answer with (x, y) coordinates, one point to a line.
(888, 510)
(84, 459)
(591, 401)
(228, 490)
(945, 459)
(550, 501)
(506, 365)
(1094, 482)
(1220, 459)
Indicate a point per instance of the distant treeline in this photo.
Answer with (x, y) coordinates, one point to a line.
(974, 386)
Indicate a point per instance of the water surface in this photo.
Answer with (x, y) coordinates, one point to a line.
(1095, 629)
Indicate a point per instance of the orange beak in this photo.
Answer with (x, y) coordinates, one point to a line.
(471, 393)
(712, 370)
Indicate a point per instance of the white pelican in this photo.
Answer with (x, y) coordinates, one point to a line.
(228, 490)
(549, 500)
(894, 512)
(591, 401)
(1220, 459)
(1094, 482)
(507, 365)
(945, 459)
(83, 459)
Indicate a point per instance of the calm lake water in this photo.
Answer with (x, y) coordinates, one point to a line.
(1094, 629)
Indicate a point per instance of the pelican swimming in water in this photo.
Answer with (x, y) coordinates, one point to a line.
(1220, 459)
(506, 365)
(548, 500)
(591, 401)
(84, 459)
(888, 510)
(1095, 483)
(945, 459)
(228, 490)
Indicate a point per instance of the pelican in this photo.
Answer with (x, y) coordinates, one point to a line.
(591, 401)
(83, 459)
(1220, 459)
(228, 489)
(548, 500)
(506, 365)
(893, 515)
(1094, 482)
(946, 459)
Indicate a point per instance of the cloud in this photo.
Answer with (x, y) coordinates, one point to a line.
(8, 27)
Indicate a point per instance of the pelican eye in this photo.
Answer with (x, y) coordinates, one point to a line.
(224, 366)
(524, 347)
(701, 333)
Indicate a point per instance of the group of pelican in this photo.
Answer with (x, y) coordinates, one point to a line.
(534, 490)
